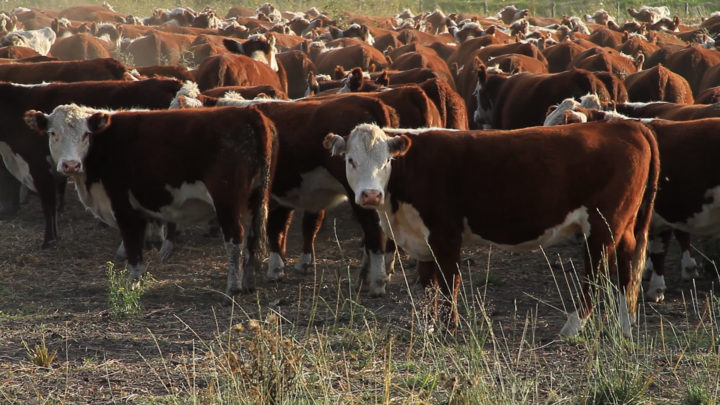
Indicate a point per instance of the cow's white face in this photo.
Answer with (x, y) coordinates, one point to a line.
(69, 131)
(368, 152)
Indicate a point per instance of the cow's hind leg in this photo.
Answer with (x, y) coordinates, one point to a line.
(232, 236)
(689, 268)
(312, 221)
(132, 230)
(279, 219)
(629, 273)
(658, 248)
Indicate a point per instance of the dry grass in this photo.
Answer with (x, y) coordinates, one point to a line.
(315, 339)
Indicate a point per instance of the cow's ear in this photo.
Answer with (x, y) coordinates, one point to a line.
(98, 122)
(233, 46)
(399, 145)
(36, 120)
(335, 144)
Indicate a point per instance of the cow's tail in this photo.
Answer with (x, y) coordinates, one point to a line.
(267, 140)
(642, 222)
(222, 71)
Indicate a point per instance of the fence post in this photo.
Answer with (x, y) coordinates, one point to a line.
(617, 12)
(485, 7)
(552, 12)
(420, 9)
(687, 10)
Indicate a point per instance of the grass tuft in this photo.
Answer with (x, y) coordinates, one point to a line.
(123, 294)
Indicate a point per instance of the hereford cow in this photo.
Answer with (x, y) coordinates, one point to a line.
(658, 84)
(26, 156)
(521, 100)
(601, 190)
(306, 178)
(179, 166)
(64, 71)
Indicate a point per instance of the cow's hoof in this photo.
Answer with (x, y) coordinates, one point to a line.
(49, 244)
(275, 275)
(657, 295)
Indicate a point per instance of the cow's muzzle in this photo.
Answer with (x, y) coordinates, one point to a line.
(69, 167)
(370, 198)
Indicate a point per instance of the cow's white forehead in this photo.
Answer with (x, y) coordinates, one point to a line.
(365, 137)
(70, 116)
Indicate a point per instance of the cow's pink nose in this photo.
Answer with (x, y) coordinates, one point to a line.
(370, 197)
(71, 166)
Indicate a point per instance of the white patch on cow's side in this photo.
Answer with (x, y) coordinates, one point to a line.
(688, 267)
(275, 267)
(573, 325)
(190, 203)
(96, 200)
(481, 116)
(415, 131)
(656, 288)
(234, 280)
(31, 85)
(317, 191)
(624, 314)
(304, 262)
(573, 227)
(407, 229)
(707, 221)
(17, 166)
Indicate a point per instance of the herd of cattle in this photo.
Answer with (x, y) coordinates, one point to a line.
(516, 130)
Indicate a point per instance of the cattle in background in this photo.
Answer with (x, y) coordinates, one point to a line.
(17, 52)
(607, 60)
(64, 71)
(81, 46)
(247, 92)
(229, 69)
(560, 55)
(26, 156)
(614, 85)
(360, 55)
(601, 191)
(178, 72)
(691, 63)
(669, 111)
(179, 166)
(40, 40)
(297, 66)
(658, 84)
(521, 100)
(159, 48)
(91, 13)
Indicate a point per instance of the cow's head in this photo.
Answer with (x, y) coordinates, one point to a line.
(70, 129)
(368, 152)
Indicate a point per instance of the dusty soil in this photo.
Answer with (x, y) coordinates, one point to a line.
(61, 294)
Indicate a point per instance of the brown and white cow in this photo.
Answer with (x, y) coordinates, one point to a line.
(425, 188)
(26, 156)
(521, 100)
(179, 166)
(64, 71)
(658, 83)
(307, 179)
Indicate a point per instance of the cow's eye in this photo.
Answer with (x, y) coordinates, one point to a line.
(53, 135)
(352, 163)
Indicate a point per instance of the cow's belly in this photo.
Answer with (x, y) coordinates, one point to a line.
(96, 200)
(409, 231)
(706, 222)
(573, 229)
(17, 166)
(191, 203)
(317, 191)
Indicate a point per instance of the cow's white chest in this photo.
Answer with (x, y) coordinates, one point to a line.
(17, 166)
(191, 203)
(96, 200)
(407, 228)
(318, 190)
(573, 227)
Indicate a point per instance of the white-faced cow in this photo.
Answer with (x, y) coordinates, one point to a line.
(178, 166)
(435, 190)
(26, 154)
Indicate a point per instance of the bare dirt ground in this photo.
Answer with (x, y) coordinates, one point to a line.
(61, 294)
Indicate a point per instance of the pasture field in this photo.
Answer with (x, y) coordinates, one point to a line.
(314, 339)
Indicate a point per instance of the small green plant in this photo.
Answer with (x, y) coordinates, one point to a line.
(124, 294)
(698, 395)
(40, 355)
